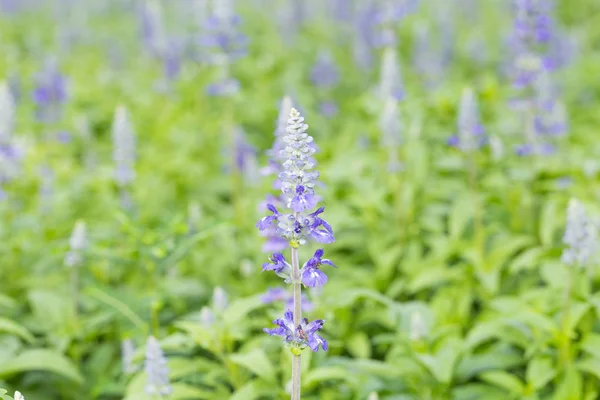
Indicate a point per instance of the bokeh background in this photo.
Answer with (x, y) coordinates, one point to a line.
(451, 134)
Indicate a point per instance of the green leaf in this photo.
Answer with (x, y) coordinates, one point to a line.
(504, 380)
(9, 326)
(497, 357)
(247, 392)
(460, 215)
(239, 309)
(527, 260)
(590, 365)
(257, 362)
(539, 372)
(441, 365)
(41, 360)
(570, 387)
(591, 344)
(359, 345)
(324, 374)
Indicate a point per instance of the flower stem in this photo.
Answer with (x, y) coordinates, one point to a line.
(296, 362)
(565, 339)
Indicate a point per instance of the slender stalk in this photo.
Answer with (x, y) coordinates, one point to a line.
(564, 338)
(296, 362)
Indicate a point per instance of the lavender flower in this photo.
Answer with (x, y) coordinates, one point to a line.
(297, 185)
(278, 264)
(77, 244)
(11, 152)
(470, 131)
(581, 237)
(533, 29)
(207, 317)
(152, 27)
(157, 370)
(312, 276)
(325, 73)
(50, 93)
(7, 112)
(418, 326)
(220, 300)
(390, 80)
(245, 156)
(391, 127)
(224, 44)
(127, 353)
(123, 147)
(277, 295)
(299, 337)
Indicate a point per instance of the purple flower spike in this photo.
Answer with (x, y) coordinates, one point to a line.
(312, 276)
(299, 337)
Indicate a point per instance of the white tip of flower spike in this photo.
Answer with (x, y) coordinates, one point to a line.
(19, 396)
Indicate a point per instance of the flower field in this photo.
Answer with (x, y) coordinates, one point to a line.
(274, 199)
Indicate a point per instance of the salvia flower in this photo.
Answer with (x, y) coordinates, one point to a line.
(390, 79)
(123, 136)
(299, 337)
(325, 73)
(418, 326)
(152, 27)
(278, 264)
(127, 354)
(391, 129)
(77, 245)
(311, 274)
(207, 316)
(470, 130)
(581, 236)
(7, 112)
(11, 152)
(157, 370)
(220, 300)
(245, 156)
(533, 30)
(224, 43)
(297, 185)
(50, 93)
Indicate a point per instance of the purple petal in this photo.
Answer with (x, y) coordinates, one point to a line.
(313, 277)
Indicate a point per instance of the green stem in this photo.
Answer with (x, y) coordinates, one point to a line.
(296, 361)
(565, 336)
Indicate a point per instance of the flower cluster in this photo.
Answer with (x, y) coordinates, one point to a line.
(10, 152)
(127, 356)
(224, 43)
(325, 76)
(157, 370)
(50, 93)
(581, 236)
(77, 244)
(470, 130)
(297, 185)
(298, 337)
(123, 147)
(310, 273)
(390, 79)
(297, 179)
